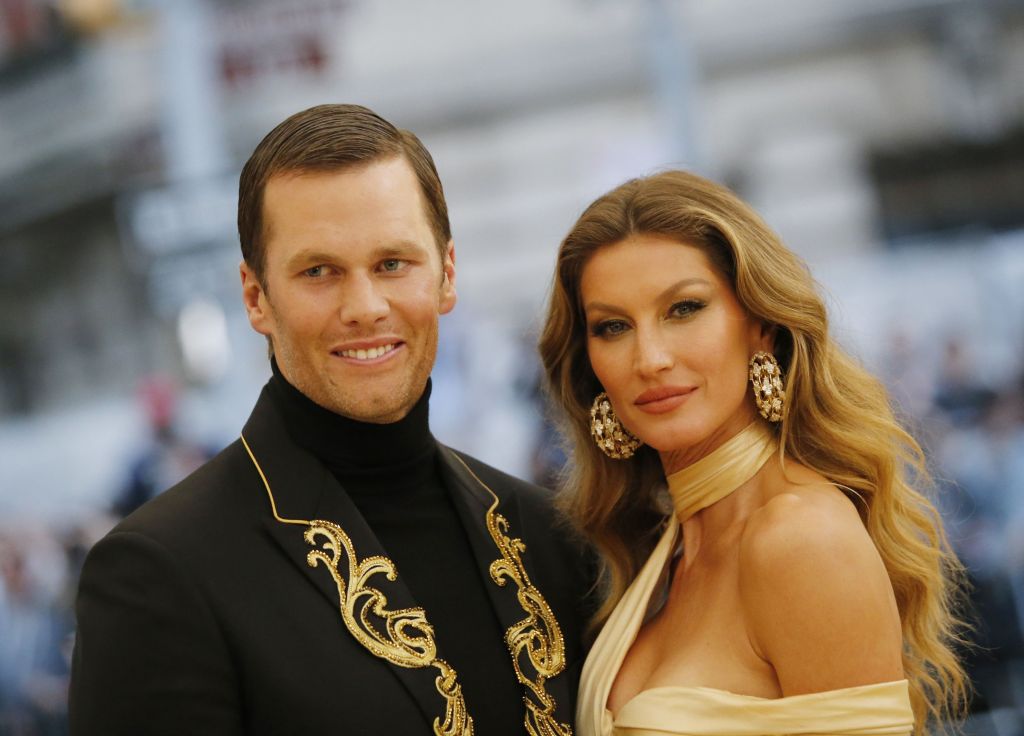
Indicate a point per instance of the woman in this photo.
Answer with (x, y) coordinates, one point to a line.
(801, 584)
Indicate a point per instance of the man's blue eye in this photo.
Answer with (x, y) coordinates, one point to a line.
(314, 271)
(392, 264)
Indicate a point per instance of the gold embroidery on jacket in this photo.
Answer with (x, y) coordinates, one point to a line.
(407, 639)
(537, 636)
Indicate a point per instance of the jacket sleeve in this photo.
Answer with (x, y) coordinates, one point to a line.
(149, 658)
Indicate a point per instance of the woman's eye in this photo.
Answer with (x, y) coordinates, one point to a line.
(609, 328)
(686, 307)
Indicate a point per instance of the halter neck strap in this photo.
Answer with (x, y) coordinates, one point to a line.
(721, 472)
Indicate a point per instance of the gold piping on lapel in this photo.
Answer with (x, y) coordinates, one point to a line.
(408, 638)
(266, 484)
(538, 635)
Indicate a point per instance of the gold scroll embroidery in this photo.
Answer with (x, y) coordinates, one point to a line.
(407, 639)
(538, 635)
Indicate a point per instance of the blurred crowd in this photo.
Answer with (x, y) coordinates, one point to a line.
(972, 432)
(976, 433)
(40, 565)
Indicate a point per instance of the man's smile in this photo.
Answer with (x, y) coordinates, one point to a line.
(372, 354)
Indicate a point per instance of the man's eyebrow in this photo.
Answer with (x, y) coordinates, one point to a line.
(663, 295)
(308, 255)
(396, 249)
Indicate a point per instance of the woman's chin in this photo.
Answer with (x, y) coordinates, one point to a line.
(666, 442)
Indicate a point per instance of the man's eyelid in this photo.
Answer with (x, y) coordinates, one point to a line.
(305, 270)
(402, 263)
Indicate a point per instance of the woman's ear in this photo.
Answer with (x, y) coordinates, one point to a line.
(768, 334)
(762, 337)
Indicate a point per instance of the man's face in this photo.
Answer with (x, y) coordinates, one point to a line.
(353, 287)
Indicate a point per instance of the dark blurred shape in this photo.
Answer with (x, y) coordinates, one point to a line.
(958, 394)
(36, 39)
(949, 186)
(168, 457)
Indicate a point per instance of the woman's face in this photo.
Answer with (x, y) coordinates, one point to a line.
(670, 343)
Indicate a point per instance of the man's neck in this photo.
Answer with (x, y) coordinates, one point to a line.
(349, 445)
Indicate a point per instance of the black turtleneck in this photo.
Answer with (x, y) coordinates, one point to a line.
(391, 473)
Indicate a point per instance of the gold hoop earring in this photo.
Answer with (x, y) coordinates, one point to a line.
(769, 393)
(611, 437)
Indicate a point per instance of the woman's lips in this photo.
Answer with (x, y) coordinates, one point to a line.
(662, 399)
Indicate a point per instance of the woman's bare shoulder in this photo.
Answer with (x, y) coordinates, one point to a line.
(816, 595)
(801, 511)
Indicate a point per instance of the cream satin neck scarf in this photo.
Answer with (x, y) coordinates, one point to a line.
(718, 474)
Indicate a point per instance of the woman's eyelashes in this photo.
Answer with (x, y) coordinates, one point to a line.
(609, 328)
(686, 307)
(679, 310)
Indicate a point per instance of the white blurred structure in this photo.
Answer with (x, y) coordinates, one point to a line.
(123, 128)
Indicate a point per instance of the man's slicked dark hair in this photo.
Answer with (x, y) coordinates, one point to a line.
(329, 138)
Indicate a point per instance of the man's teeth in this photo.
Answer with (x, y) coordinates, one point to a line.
(368, 354)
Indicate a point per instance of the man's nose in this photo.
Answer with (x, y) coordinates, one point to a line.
(362, 302)
(652, 352)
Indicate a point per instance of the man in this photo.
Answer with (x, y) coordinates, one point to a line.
(336, 570)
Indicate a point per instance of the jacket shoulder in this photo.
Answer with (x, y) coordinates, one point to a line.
(219, 493)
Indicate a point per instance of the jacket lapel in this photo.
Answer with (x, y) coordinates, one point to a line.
(472, 502)
(519, 606)
(304, 490)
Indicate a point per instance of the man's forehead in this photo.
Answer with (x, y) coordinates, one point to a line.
(370, 211)
(396, 164)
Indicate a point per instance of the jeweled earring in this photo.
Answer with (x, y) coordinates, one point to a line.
(615, 441)
(769, 393)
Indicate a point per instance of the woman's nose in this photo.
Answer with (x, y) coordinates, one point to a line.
(652, 352)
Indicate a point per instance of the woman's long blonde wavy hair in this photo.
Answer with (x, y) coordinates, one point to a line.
(837, 420)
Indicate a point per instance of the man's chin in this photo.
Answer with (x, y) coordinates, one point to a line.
(373, 410)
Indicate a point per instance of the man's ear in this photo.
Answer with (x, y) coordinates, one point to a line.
(255, 300)
(448, 296)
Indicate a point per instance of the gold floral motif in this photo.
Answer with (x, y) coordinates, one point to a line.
(407, 639)
(537, 636)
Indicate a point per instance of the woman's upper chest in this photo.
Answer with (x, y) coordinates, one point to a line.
(698, 636)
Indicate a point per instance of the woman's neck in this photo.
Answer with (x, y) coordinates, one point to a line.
(720, 472)
(680, 458)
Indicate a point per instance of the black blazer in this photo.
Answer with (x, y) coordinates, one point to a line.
(200, 614)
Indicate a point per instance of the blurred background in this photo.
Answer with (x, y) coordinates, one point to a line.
(884, 140)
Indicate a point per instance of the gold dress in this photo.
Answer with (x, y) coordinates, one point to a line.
(882, 708)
